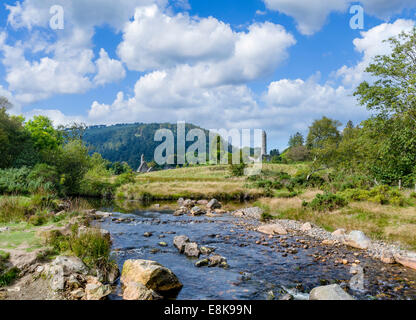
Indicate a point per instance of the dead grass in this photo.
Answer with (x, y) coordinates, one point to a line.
(195, 182)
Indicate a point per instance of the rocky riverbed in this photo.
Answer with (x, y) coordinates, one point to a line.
(284, 263)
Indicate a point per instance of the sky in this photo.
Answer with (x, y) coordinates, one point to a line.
(275, 65)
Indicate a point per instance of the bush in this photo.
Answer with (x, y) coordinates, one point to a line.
(381, 194)
(14, 209)
(91, 247)
(7, 277)
(237, 170)
(326, 202)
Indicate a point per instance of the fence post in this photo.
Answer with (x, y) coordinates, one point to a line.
(400, 184)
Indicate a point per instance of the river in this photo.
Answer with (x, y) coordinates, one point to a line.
(259, 267)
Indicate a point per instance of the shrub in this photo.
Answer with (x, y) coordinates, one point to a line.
(381, 194)
(327, 202)
(39, 219)
(13, 209)
(7, 277)
(91, 247)
(237, 170)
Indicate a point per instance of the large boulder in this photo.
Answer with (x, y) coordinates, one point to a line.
(214, 204)
(56, 278)
(358, 240)
(150, 274)
(137, 291)
(179, 242)
(332, 292)
(407, 259)
(273, 229)
(192, 250)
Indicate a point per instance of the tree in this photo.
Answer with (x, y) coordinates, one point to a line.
(73, 163)
(394, 91)
(296, 140)
(298, 153)
(16, 147)
(5, 103)
(45, 137)
(322, 132)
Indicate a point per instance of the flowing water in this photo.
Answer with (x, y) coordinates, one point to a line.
(257, 271)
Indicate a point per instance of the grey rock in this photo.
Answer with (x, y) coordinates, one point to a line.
(331, 292)
(70, 265)
(192, 250)
(214, 204)
(358, 240)
(179, 242)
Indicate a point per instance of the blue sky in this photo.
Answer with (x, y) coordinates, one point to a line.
(270, 64)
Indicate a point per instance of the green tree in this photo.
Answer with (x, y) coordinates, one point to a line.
(45, 136)
(322, 132)
(296, 140)
(73, 163)
(394, 90)
(16, 147)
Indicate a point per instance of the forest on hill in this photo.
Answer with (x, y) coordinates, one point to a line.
(127, 142)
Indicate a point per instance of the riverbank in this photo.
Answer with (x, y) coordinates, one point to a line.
(55, 255)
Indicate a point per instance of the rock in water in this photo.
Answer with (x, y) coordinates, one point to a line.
(332, 292)
(273, 229)
(192, 250)
(179, 242)
(357, 239)
(137, 291)
(407, 259)
(214, 204)
(150, 274)
(197, 211)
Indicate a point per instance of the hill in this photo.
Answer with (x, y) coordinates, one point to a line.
(127, 142)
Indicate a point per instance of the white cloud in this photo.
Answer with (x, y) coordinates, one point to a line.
(311, 15)
(370, 45)
(207, 50)
(65, 72)
(109, 70)
(80, 13)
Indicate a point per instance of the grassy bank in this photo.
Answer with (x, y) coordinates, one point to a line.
(196, 183)
(33, 225)
(380, 222)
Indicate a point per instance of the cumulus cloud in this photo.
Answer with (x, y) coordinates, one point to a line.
(63, 73)
(156, 40)
(311, 15)
(370, 45)
(109, 70)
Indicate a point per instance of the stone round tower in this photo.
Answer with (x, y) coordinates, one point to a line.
(264, 144)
